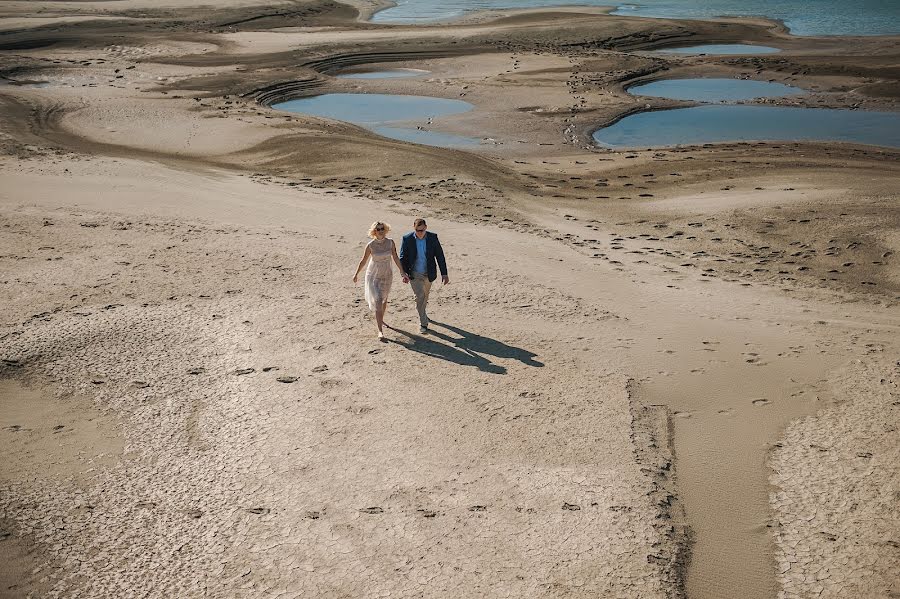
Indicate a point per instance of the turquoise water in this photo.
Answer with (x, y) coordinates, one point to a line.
(722, 49)
(386, 114)
(426, 138)
(713, 90)
(423, 11)
(710, 124)
(803, 17)
(387, 74)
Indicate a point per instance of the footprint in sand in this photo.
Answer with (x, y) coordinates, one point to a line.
(372, 510)
(760, 402)
(753, 358)
(684, 415)
(726, 412)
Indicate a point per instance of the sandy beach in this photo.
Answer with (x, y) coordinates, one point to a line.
(660, 372)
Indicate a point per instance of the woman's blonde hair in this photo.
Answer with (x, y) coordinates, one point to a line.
(387, 228)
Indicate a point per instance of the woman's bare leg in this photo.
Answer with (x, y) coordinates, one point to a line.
(379, 315)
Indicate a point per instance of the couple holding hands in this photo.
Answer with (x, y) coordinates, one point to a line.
(420, 257)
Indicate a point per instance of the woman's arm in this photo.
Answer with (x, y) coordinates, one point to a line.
(397, 260)
(362, 262)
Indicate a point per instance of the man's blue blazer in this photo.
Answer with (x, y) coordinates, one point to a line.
(434, 254)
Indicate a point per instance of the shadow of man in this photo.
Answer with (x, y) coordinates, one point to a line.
(435, 349)
(474, 343)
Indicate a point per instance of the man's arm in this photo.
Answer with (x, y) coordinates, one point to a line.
(404, 257)
(442, 263)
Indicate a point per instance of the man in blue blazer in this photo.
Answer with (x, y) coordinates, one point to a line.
(421, 255)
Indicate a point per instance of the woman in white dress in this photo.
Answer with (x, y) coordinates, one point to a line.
(380, 252)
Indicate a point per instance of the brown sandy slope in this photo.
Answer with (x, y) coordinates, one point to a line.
(660, 373)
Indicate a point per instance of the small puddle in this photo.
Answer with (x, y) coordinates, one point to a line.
(405, 118)
(721, 49)
(714, 90)
(711, 124)
(387, 74)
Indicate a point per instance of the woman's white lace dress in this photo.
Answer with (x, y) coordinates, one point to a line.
(379, 273)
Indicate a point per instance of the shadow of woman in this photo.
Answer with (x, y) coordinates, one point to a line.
(435, 349)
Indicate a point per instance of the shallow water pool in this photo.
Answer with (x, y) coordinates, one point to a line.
(711, 124)
(393, 116)
(721, 49)
(714, 90)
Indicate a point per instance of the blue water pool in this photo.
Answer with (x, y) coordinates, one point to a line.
(721, 49)
(710, 124)
(713, 90)
(394, 116)
(426, 138)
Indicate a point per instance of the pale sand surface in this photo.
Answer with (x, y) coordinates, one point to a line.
(352, 437)
(832, 542)
(663, 373)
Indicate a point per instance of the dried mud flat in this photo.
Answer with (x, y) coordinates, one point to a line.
(662, 373)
